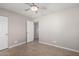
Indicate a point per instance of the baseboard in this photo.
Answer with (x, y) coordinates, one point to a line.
(60, 47)
(29, 41)
(17, 45)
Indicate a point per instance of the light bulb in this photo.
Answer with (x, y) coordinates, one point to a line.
(34, 8)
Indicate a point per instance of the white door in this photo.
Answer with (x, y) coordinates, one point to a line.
(30, 31)
(3, 32)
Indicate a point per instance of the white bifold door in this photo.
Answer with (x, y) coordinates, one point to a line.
(3, 32)
(30, 31)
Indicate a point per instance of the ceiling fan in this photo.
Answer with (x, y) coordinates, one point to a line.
(34, 7)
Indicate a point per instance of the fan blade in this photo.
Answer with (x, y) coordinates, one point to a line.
(29, 4)
(44, 8)
(27, 9)
(33, 4)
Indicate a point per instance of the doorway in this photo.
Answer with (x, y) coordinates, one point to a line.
(36, 34)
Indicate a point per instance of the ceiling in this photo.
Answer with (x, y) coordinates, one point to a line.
(50, 8)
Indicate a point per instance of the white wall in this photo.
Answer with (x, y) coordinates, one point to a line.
(61, 27)
(17, 27)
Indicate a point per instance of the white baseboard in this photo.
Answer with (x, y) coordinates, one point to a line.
(17, 45)
(60, 47)
(29, 41)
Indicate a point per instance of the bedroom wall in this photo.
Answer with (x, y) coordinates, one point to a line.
(60, 28)
(17, 27)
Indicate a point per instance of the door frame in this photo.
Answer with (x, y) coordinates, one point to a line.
(26, 29)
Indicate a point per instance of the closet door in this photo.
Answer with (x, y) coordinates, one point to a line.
(30, 31)
(3, 32)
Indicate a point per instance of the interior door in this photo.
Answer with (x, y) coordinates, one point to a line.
(3, 32)
(30, 31)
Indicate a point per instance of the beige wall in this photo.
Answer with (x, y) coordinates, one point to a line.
(61, 28)
(17, 31)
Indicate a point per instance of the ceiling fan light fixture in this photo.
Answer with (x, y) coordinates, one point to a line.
(34, 8)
